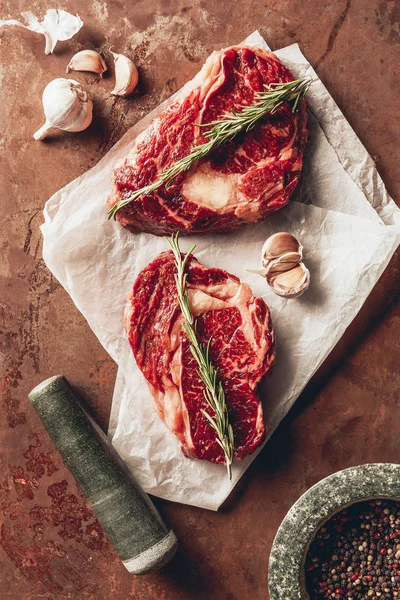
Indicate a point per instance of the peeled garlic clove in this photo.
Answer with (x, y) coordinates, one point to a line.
(87, 60)
(279, 244)
(290, 284)
(126, 75)
(67, 106)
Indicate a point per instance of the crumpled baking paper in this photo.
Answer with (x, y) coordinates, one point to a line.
(349, 228)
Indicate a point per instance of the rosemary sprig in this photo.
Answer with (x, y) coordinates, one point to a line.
(213, 392)
(224, 130)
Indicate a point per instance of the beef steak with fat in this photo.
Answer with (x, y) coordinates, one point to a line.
(242, 348)
(242, 181)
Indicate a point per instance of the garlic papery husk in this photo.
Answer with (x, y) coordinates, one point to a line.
(257, 272)
(279, 244)
(292, 283)
(67, 106)
(57, 25)
(126, 75)
(87, 60)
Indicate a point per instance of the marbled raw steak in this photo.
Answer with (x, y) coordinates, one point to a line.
(242, 348)
(240, 182)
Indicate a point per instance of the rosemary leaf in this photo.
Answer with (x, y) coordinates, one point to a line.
(213, 391)
(224, 130)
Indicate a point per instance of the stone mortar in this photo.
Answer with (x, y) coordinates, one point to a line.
(286, 579)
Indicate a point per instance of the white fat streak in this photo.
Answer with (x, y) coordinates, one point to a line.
(209, 188)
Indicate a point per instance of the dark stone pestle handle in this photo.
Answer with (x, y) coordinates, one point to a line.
(124, 510)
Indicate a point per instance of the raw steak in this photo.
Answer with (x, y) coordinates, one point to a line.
(240, 182)
(242, 348)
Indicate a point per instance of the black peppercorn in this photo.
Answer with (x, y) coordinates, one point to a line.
(356, 554)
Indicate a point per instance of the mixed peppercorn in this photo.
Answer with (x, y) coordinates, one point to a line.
(356, 554)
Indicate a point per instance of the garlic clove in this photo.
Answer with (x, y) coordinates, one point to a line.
(126, 75)
(278, 244)
(87, 60)
(67, 106)
(290, 284)
(285, 262)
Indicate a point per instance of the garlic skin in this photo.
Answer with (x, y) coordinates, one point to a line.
(57, 25)
(67, 106)
(283, 267)
(87, 60)
(126, 75)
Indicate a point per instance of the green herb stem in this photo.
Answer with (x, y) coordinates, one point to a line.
(213, 392)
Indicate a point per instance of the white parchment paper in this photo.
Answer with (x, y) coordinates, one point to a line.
(349, 228)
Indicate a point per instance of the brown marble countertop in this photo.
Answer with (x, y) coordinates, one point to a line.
(51, 545)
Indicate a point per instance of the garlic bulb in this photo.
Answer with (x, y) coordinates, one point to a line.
(87, 60)
(67, 106)
(281, 259)
(126, 75)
